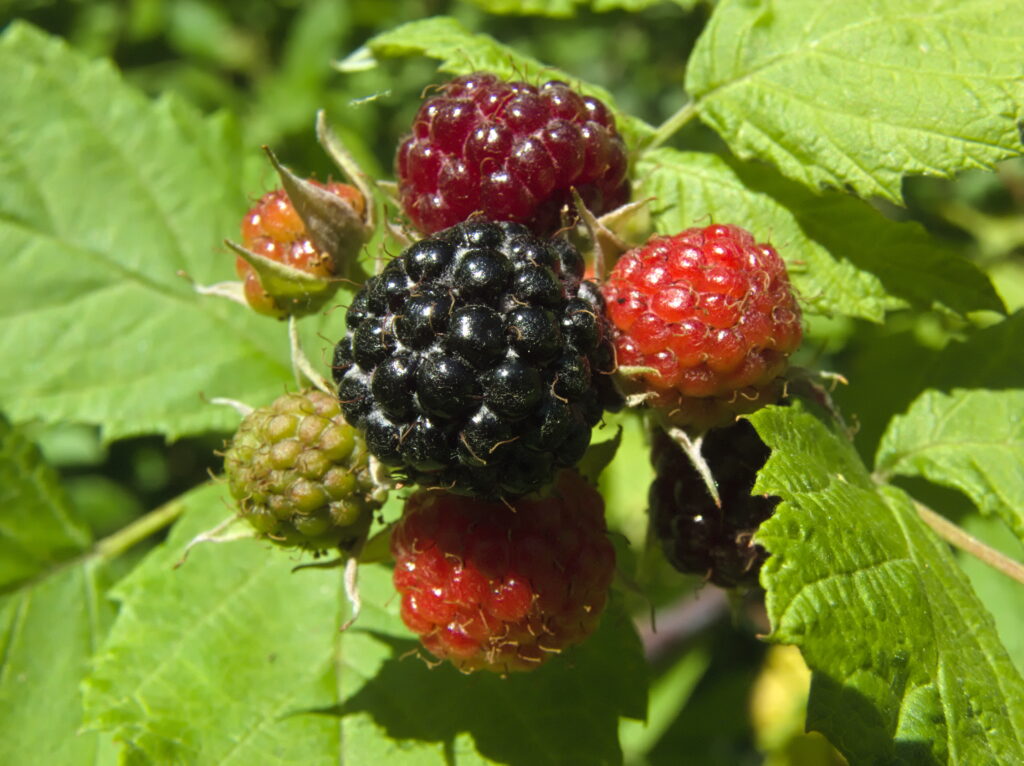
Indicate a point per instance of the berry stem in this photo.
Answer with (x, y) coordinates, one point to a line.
(672, 125)
(301, 366)
(692, 449)
(956, 537)
(114, 545)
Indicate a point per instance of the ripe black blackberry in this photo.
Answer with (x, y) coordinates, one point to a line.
(697, 536)
(477, 360)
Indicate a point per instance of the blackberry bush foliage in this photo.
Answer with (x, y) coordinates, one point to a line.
(475, 364)
(509, 151)
(477, 361)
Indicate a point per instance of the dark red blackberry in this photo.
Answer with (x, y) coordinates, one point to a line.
(477, 361)
(510, 151)
(696, 535)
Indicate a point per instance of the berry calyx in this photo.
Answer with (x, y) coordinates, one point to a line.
(697, 536)
(477, 361)
(509, 151)
(491, 587)
(301, 474)
(273, 230)
(705, 322)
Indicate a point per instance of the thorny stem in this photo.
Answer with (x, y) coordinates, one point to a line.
(673, 124)
(956, 537)
(692, 449)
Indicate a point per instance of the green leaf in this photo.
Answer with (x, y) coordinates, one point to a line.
(856, 95)
(104, 198)
(972, 441)
(693, 189)
(213, 662)
(462, 52)
(988, 358)
(907, 663)
(234, 658)
(52, 612)
(913, 266)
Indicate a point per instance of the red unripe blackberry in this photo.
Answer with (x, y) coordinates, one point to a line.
(511, 152)
(503, 588)
(697, 536)
(477, 361)
(713, 316)
(272, 228)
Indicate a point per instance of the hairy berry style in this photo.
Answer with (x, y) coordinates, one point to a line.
(511, 152)
(477, 361)
(301, 474)
(712, 315)
(697, 536)
(272, 228)
(500, 588)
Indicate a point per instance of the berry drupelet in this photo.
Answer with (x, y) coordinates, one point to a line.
(477, 361)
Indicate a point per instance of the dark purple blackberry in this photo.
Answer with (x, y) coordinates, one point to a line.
(698, 537)
(478, 360)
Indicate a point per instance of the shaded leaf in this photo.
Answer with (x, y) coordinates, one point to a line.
(912, 265)
(104, 198)
(972, 441)
(52, 613)
(856, 95)
(236, 638)
(907, 664)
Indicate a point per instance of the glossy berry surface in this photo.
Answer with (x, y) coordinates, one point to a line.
(301, 474)
(509, 151)
(477, 361)
(697, 536)
(272, 228)
(488, 586)
(712, 315)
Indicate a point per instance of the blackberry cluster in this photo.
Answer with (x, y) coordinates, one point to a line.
(477, 360)
(697, 536)
(510, 151)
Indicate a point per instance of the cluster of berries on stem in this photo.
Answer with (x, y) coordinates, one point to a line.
(476, 363)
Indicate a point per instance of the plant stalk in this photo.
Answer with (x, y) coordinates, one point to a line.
(956, 537)
(114, 545)
(673, 124)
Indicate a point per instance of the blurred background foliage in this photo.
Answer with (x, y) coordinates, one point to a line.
(718, 694)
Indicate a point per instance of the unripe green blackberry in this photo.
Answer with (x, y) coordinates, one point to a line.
(301, 474)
